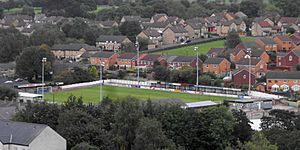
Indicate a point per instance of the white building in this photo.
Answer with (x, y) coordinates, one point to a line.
(28, 136)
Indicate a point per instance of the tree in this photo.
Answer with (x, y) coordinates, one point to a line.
(131, 29)
(7, 93)
(242, 130)
(127, 118)
(27, 10)
(48, 34)
(12, 42)
(150, 136)
(259, 142)
(84, 146)
(161, 73)
(42, 113)
(232, 39)
(29, 64)
(289, 7)
(76, 75)
(93, 71)
(250, 8)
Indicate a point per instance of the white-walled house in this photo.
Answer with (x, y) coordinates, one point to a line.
(29, 136)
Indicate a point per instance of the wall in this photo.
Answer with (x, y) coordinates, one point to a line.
(48, 139)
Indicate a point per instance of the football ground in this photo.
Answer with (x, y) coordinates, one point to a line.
(92, 95)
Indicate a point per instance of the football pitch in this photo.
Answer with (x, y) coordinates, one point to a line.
(92, 95)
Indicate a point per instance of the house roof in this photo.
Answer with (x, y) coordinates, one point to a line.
(251, 44)
(158, 16)
(195, 26)
(281, 54)
(117, 38)
(214, 60)
(233, 51)
(241, 14)
(152, 33)
(296, 52)
(158, 24)
(215, 50)
(19, 133)
(178, 29)
(10, 65)
(185, 59)
(256, 53)
(264, 24)
(288, 20)
(103, 54)
(245, 61)
(268, 41)
(283, 75)
(68, 47)
(284, 38)
(295, 38)
(235, 72)
(108, 23)
(128, 56)
(132, 18)
(151, 57)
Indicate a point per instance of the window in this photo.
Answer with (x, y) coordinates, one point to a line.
(279, 64)
(290, 58)
(206, 66)
(284, 81)
(276, 81)
(295, 81)
(244, 76)
(279, 58)
(215, 66)
(261, 66)
(269, 81)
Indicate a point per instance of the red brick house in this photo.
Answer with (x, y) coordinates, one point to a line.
(260, 54)
(267, 44)
(127, 60)
(148, 60)
(174, 34)
(288, 60)
(283, 81)
(219, 66)
(181, 61)
(258, 66)
(284, 43)
(240, 77)
(214, 52)
(235, 54)
(108, 59)
(296, 38)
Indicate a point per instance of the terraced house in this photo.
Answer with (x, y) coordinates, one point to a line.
(283, 81)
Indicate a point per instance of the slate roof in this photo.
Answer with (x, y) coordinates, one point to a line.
(196, 26)
(215, 50)
(178, 29)
(241, 14)
(158, 16)
(185, 59)
(268, 41)
(152, 33)
(108, 23)
(19, 133)
(132, 18)
(257, 53)
(68, 47)
(117, 38)
(297, 52)
(245, 61)
(283, 75)
(213, 60)
(251, 44)
(233, 51)
(128, 56)
(284, 38)
(158, 24)
(281, 54)
(151, 57)
(103, 54)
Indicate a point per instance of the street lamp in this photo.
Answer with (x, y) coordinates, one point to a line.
(197, 64)
(249, 51)
(138, 59)
(44, 60)
(101, 80)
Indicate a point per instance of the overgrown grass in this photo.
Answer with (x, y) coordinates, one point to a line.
(203, 48)
(92, 95)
